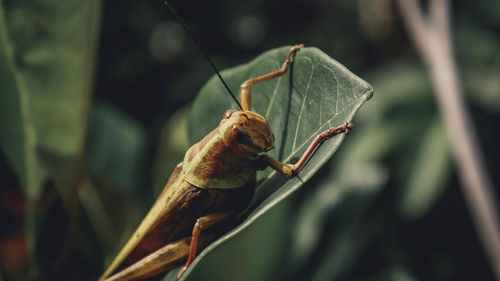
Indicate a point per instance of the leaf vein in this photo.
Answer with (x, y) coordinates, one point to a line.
(275, 92)
(299, 119)
(310, 138)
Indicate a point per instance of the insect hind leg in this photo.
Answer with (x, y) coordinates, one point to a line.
(246, 87)
(202, 223)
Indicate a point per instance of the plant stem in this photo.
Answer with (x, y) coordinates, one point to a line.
(431, 35)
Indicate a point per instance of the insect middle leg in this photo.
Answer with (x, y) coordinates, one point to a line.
(246, 87)
(293, 169)
(202, 224)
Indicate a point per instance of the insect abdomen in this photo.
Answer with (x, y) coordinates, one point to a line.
(189, 203)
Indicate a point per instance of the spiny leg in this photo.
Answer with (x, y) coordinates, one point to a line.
(202, 224)
(246, 87)
(293, 169)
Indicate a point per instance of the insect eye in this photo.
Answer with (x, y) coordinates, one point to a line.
(228, 113)
(241, 135)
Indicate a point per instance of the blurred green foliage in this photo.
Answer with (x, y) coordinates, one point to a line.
(82, 161)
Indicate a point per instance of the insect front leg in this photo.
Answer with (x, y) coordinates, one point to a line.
(293, 169)
(246, 87)
(202, 224)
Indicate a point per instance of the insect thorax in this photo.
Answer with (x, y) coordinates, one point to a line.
(212, 164)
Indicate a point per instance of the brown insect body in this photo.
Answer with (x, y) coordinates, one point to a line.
(222, 180)
(227, 157)
(215, 182)
(178, 220)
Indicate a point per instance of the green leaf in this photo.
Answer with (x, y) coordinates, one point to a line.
(425, 182)
(259, 249)
(47, 51)
(341, 191)
(116, 148)
(316, 94)
(342, 251)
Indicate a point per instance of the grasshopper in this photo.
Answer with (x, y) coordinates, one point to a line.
(211, 187)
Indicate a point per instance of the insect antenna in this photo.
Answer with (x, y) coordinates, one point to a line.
(195, 40)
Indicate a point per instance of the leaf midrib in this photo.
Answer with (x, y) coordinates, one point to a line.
(263, 181)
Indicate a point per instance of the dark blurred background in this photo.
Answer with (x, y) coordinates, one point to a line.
(388, 206)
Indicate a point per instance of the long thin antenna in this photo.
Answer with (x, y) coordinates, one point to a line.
(195, 40)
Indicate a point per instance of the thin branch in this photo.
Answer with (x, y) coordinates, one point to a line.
(416, 23)
(433, 41)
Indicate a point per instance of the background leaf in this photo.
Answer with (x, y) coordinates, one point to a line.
(317, 93)
(424, 183)
(47, 56)
(116, 147)
(356, 219)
